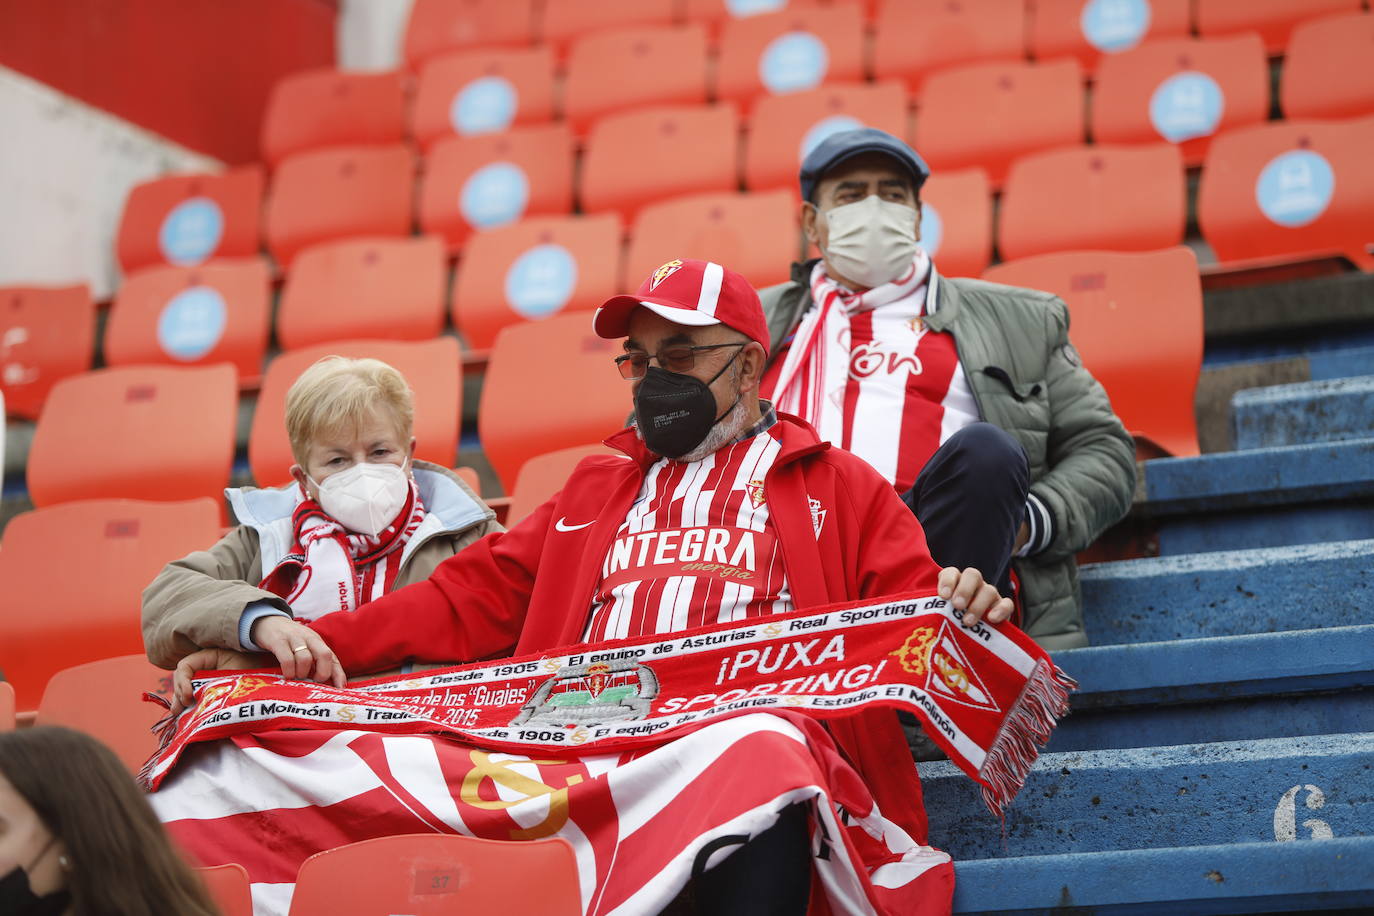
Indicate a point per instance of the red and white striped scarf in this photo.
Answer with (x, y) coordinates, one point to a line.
(330, 568)
(813, 366)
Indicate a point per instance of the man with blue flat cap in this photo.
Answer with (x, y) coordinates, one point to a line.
(967, 396)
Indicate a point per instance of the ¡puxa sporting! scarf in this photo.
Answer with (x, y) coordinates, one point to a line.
(987, 695)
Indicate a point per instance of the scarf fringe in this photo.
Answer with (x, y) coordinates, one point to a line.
(164, 730)
(1043, 701)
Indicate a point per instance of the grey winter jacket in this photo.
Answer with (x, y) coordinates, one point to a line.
(1028, 380)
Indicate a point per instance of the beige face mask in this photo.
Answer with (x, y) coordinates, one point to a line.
(872, 242)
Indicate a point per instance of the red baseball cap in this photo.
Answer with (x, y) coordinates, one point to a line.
(689, 292)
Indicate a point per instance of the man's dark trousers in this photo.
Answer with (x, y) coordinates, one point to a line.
(970, 499)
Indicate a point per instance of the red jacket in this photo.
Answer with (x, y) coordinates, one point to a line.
(530, 589)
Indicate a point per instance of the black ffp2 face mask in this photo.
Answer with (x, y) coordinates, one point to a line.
(17, 896)
(674, 412)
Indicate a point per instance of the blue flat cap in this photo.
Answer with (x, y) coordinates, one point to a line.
(847, 144)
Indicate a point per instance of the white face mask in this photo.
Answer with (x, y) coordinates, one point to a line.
(871, 242)
(366, 497)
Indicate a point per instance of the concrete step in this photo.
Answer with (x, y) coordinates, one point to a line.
(1331, 874)
(1221, 668)
(1341, 363)
(1229, 367)
(1259, 477)
(1229, 593)
(1203, 721)
(1191, 690)
(1282, 526)
(1144, 798)
(1307, 412)
(1266, 497)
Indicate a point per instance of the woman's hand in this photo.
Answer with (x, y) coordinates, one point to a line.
(299, 650)
(207, 660)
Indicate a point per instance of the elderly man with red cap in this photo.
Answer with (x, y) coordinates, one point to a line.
(707, 462)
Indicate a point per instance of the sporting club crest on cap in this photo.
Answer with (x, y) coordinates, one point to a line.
(664, 272)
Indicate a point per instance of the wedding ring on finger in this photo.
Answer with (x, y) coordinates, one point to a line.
(300, 649)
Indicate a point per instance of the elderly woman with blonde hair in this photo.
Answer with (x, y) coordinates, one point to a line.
(363, 518)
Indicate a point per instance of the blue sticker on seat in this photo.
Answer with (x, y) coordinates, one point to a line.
(824, 128)
(484, 105)
(1187, 105)
(541, 281)
(494, 195)
(1295, 187)
(932, 228)
(741, 8)
(1115, 25)
(192, 323)
(793, 62)
(191, 232)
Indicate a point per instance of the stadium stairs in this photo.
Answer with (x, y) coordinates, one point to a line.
(1220, 753)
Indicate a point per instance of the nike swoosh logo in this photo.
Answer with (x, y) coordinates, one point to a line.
(562, 527)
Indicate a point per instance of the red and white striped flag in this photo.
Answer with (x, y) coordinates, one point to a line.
(636, 820)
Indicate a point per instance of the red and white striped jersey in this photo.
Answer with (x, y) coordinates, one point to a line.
(876, 381)
(697, 547)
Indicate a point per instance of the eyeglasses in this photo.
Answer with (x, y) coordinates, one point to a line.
(633, 366)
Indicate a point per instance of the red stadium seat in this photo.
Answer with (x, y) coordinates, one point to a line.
(1273, 19)
(589, 402)
(645, 155)
(46, 334)
(364, 288)
(718, 12)
(164, 433)
(544, 475)
(6, 706)
(1291, 191)
(914, 38)
(755, 233)
(433, 874)
(789, 51)
(229, 888)
(784, 128)
(438, 26)
(1182, 90)
(215, 313)
(532, 270)
(1135, 317)
(56, 611)
(336, 193)
(470, 477)
(667, 64)
(1326, 70)
(327, 107)
(188, 219)
(1105, 197)
(567, 20)
(105, 699)
(989, 114)
(956, 221)
(1092, 29)
(491, 180)
(480, 92)
(432, 368)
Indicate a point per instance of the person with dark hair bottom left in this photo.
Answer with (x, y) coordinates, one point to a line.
(78, 838)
